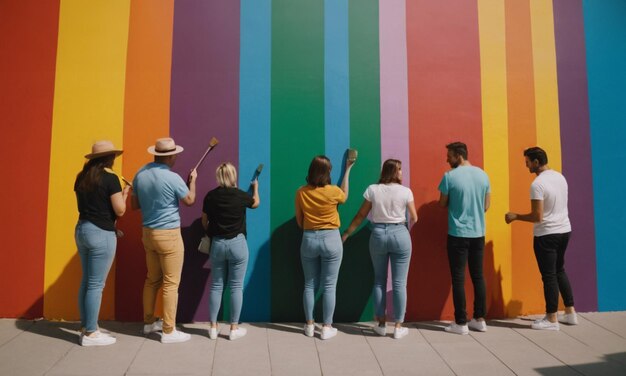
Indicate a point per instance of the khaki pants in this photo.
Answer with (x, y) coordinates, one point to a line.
(164, 259)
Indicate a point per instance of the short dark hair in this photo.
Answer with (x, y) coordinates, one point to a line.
(458, 148)
(319, 171)
(389, 172)
(536, 154)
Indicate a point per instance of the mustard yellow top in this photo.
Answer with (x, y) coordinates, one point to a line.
(317, 206)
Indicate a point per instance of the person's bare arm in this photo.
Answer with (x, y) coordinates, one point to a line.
(443, 200)
(118, 201)
(358, 219)
(487, 201)
(535, 215)
(191, 196)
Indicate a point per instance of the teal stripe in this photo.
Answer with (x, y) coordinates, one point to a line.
(297, 134)
(356, 276)
(605, 33)
(254, 148)
(336, 83)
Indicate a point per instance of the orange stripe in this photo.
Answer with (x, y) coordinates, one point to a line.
(527, 293)
(146, 117)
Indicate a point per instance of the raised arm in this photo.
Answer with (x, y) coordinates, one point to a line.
(255, 194)
(345, 183)
(191, 196)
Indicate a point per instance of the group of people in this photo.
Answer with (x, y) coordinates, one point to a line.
(157, 192)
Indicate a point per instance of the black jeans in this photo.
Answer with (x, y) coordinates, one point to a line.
(462, 251)
(550, 254)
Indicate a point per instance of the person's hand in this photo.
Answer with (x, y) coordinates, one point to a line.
(349, 163)
(510, 217)
(344, 237)
(125, 191)
(193, 174)
(254, 183)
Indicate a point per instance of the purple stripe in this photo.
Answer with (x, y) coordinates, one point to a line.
(576, 149)
(204, 104)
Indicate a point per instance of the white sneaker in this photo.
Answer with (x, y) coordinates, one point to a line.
(544, 324)
(457, 329)
(400, 332)
(213, 333)
(175, 336)
(380, 330)
(309, 330)
(478, 325)
(237, 333)
(96, 338)
(568, 318)
(328, 332)
(156, 326)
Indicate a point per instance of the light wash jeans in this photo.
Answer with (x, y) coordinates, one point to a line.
(321, 253)
(96, 248)
(229, 259)
(390, 242)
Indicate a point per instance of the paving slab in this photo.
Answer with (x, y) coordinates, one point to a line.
(612, 321)
(521, 355)
(37, 349)
(598, 338)
(291, 352)
(573, 353)
(410, 355)
(348, 353)
(10, 329)
(460, 352)
(97, 360)
(194, 357)
(246, 356)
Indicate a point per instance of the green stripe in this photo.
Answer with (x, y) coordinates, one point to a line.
(297, 135)
(356, 276)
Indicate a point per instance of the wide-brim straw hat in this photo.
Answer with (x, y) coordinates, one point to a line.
(165, 146)
(103, 148)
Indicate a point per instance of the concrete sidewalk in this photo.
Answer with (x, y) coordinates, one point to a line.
(597, 346)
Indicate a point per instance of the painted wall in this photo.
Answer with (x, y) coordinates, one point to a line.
(279, 81)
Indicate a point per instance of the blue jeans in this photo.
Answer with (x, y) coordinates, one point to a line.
(321, 253)
(96, 248)
(229, 259)
(390, 242)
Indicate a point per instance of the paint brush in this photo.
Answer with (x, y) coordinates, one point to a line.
(212, 144)
(119, 176)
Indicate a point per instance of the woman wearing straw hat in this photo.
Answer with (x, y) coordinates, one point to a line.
(101, 200)
(224, 219)
(157, 191)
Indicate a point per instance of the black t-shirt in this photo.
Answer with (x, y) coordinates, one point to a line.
(95, 206)
(226, 210)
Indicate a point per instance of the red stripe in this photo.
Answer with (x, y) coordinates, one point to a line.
(28, 36)
(444, 106)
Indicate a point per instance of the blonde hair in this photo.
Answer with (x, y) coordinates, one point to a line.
(226, 175)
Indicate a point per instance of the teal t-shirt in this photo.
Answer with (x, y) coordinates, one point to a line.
(159, 191)
(466, 187)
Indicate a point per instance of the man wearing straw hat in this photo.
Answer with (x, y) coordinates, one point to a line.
(157, 191)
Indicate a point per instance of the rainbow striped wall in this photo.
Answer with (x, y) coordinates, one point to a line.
(279, 81)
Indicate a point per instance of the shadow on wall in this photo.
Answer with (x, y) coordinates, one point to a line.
(429, 285)
(194, 282)
(287, 276)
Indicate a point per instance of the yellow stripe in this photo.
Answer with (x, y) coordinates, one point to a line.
(495, 141)
(88, 106)
(546, 85)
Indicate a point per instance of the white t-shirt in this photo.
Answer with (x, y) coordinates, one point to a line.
(389, 202)
(551, 187)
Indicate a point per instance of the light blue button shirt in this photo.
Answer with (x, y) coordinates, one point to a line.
(466, 188)
(159, 191)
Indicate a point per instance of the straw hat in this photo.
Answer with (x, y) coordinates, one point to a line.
(103, 148)
(165, 146)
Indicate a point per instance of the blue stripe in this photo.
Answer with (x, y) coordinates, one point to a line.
(605, 33)
(254, 148)
(336, 85)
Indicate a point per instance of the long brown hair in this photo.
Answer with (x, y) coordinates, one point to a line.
(319, 171)
(389, 172)
(91, 174)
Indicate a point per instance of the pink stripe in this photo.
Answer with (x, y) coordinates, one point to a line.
(394, 103)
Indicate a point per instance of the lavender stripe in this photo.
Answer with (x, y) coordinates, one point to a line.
(204, 104)
(576, 149)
